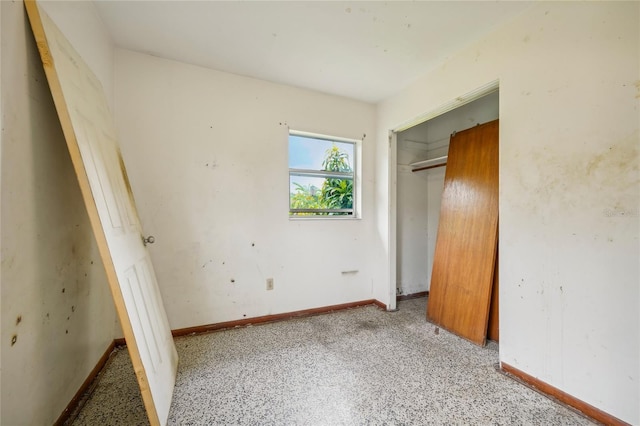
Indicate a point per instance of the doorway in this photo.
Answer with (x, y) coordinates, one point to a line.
(418, 189)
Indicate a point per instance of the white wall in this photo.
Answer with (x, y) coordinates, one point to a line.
(435, 186)
(569, 199)
(420, 193)
(55, 298)
(207, 157)
(413, 221)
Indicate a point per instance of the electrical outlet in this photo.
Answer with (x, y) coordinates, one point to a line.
(269, 283)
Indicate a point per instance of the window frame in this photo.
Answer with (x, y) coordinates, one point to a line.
(353, 175)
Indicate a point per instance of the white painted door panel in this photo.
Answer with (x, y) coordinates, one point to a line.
(90, 134)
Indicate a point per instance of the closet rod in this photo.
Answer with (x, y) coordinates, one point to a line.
(429, 167)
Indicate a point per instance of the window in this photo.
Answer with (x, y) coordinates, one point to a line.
(321, 176)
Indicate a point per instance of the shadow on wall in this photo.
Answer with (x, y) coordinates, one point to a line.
(57, 314)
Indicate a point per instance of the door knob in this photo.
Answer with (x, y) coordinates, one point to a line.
(148, 240)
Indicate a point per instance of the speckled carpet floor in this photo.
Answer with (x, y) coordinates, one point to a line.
(362, 366)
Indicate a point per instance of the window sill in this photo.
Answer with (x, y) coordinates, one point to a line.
(324, 218)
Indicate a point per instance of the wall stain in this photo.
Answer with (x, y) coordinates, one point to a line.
(7, 263)
(563, 179)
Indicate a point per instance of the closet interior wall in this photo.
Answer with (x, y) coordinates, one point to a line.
(419, 193)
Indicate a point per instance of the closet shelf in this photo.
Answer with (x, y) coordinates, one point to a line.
(428, 164)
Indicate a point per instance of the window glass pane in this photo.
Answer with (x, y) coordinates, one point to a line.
(307, 192)
(311, 153)
(321, 176)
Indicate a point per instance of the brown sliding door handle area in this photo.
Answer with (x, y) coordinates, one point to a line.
(148, 240)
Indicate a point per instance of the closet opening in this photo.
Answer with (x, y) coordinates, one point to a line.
(421, 155)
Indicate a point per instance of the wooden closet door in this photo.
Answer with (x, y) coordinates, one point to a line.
(493, 330)
(464, 257)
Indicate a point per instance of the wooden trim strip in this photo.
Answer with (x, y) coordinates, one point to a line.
(273, 318)
(379, 304)
(412, 296)
(563, 397)
(73, 404)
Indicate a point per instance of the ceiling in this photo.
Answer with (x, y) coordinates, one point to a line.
(359, 49)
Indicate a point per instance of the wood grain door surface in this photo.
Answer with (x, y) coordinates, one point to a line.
(89, 131)
(465, 253)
